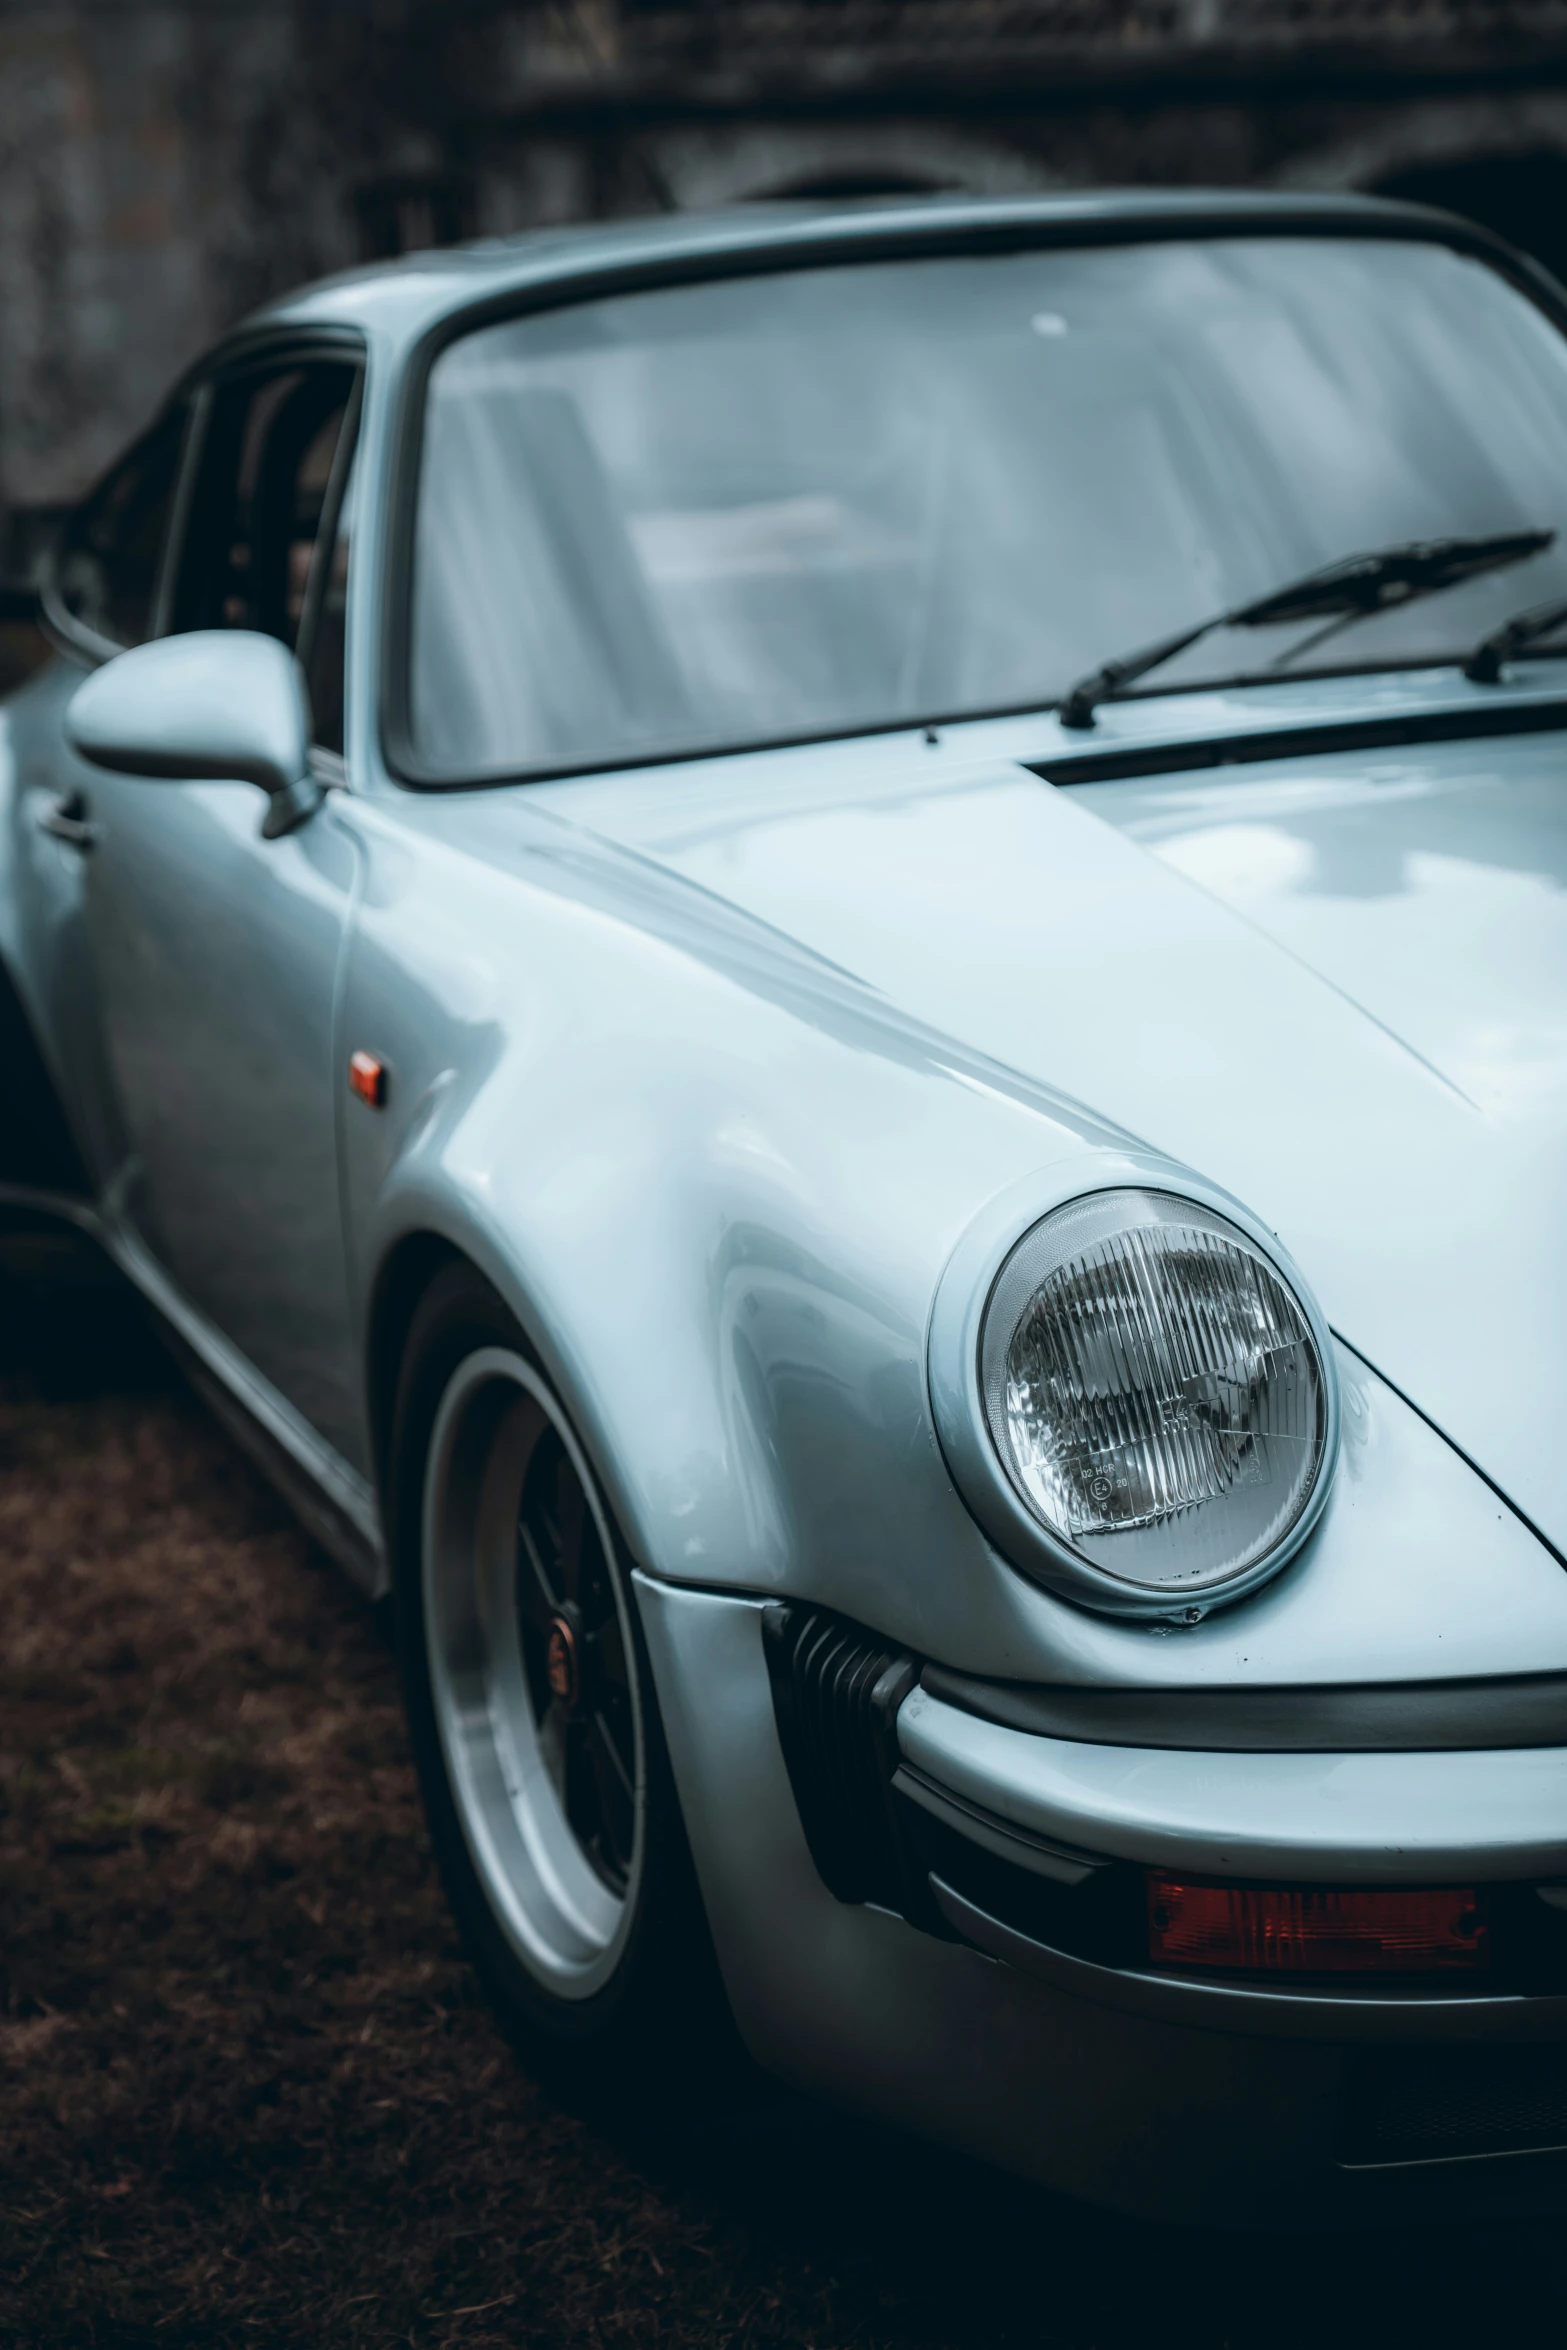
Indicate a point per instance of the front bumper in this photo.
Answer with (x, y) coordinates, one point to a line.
(1174, 2099)
(1371, 1817)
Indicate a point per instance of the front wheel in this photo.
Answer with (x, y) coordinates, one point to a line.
(534, 1722)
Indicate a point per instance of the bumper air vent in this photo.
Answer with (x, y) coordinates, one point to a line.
(1451, 2104)
(836, 1693)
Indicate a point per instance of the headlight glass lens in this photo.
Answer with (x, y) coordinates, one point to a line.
(1154, 1390)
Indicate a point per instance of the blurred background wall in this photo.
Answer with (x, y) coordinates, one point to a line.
(167, 164)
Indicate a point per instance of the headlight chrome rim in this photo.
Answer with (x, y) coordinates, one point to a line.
(956, 1370)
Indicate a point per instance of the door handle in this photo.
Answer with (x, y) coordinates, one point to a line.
(65, 818)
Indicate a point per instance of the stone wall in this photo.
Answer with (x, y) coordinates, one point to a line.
(165, 166)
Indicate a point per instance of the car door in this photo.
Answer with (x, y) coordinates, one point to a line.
(103, 597)
(214, 951)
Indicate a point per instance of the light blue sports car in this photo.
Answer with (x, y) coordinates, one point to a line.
(820, 960)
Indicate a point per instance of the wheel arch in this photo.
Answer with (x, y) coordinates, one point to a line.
(403, 1277)
(413, 1263)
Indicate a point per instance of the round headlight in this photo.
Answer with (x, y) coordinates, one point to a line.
(1154, 1391)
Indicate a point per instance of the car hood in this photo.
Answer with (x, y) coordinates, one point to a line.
(1336, 985)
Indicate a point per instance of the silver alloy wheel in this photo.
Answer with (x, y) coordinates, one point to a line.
(532, 1673)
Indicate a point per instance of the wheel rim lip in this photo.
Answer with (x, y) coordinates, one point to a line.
(560, 1919)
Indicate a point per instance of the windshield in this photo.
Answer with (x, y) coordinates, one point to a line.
(784, 505)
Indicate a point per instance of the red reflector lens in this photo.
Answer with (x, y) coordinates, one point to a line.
(1313, 1929)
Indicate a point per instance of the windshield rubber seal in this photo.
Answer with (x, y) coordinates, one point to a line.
(826, 243)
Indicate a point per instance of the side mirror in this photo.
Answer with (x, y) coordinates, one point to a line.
(218, 703)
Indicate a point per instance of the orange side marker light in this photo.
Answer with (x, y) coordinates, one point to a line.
(367, 1078)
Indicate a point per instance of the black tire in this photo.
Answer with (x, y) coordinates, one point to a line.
(657, 2022)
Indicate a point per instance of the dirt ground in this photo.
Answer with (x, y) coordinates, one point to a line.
(247, 2090)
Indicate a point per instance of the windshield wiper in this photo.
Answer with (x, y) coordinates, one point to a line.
(1486, 662)
(1341, 592)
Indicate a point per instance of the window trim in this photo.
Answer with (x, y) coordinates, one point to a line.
(842, 242)
(180, 505)
(244, 353)
(60, 624)
(324, 551)
(231, 364)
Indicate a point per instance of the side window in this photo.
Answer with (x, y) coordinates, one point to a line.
(106, 571)
(327, 623)
(268, 489)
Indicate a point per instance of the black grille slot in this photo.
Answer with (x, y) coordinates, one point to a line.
(1446, 2104)
(836, 1693)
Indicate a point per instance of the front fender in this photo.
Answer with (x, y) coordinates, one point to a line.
(721, 1220)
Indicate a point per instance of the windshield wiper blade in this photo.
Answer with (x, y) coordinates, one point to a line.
(1340, 592)
(1486, 662)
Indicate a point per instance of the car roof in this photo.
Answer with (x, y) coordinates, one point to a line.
(403, 298)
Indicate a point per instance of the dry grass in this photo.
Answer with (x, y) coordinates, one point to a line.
(247, 2092)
